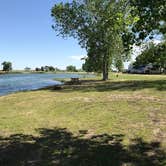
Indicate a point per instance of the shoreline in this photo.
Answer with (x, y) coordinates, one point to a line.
(57, 82)
(40, 72)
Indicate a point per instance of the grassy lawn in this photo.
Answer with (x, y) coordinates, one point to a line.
(120, 122)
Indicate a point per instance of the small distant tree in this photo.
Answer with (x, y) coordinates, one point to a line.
(46, 68)
(71, 68)
(37, 69)
(51, 68)
(27, 69)
(42, 68)
(7, 66)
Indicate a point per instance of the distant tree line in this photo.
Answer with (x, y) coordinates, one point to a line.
(46, 69)
(7, 66)
(69, 68)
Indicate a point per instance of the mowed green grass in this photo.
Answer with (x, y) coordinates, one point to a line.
(130, 106)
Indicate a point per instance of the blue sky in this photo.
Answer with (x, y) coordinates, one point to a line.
(27, 39)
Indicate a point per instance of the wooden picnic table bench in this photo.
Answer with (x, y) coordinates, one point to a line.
(75, 80)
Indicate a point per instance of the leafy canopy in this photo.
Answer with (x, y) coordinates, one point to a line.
(71, 68)
(99, 27)
(150, 19)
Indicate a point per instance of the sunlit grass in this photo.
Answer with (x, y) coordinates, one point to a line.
(116, 106)
(121, 116)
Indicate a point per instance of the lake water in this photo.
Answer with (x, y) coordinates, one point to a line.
(10, 83)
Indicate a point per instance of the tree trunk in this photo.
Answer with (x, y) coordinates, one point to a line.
(105, 69)
(105, 76)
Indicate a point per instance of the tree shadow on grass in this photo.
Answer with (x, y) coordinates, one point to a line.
(61, 148)
(101, 86)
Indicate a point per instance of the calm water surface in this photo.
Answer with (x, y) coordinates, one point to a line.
(10, 83)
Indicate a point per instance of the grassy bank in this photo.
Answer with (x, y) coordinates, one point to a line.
(118, 122)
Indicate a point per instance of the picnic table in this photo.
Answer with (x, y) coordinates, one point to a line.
(75, 80)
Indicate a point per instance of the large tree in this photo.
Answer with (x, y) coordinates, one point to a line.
(98, 25)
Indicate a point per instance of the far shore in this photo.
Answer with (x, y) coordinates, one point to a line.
(42, 72)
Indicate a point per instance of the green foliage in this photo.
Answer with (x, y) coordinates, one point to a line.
(155, 55)
(119, 65)
(71, 68)
(7, 66)
(51, 68)
(37, 69)
(150, 19)
(92, 64)
(42, 68)
(98, 26)
(45, 68)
